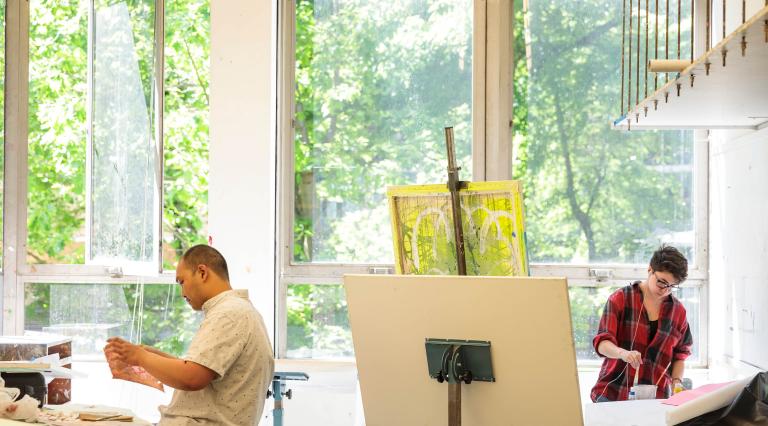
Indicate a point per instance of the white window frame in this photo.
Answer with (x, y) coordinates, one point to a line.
(16, 271)
(492, 160)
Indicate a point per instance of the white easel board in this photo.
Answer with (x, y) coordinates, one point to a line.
(527, 320)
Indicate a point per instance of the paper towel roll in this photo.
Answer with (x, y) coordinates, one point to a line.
(706, 403)
(668, 65)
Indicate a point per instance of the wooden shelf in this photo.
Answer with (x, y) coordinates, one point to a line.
(734, 96)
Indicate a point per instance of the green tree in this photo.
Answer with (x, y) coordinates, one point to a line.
(57, 93)
(592, 193)
(370, 111)
(375, 85)
(187, 106)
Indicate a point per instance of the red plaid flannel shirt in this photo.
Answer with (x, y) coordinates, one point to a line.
(623, 318)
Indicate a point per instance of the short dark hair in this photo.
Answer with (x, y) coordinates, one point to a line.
(669, 259)
(202, 254)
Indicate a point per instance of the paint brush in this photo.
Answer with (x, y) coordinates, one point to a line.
(663, 373)
(637, 376)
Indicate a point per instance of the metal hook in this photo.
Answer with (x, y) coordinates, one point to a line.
(743, 45)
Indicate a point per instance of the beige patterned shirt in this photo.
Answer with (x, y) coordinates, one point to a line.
(232, 341)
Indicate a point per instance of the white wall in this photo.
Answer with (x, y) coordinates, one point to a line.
(739, 246)
(242, 151)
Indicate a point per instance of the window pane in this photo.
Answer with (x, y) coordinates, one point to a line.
(152, 314)
(587, 308)
(58, 40)
(124, 197)
(185, 122)
(318, 322)
(123, 168)
(594, 194)
(376, 83)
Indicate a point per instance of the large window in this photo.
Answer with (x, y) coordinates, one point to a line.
(92, 142)
(375, 84)
(104, 210)
(596, 197)
(117, 117)
(593, 194)
(370, 92)
(151, 314)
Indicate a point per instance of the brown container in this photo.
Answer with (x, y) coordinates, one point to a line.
(33, 346)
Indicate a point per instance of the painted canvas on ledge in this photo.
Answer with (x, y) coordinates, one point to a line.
(494, 233)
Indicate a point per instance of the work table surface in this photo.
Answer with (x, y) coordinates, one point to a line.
(649, 412)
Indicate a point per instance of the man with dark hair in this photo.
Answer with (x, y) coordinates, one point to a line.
(225, 375)
(202, 254)
(644, 332)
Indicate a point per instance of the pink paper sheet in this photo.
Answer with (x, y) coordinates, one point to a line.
(689, 395)
(133, 373)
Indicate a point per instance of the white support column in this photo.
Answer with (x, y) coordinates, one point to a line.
(242, 148)
(492, 147)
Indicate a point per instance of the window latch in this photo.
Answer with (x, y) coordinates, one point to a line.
(601, 275)
(114, 271)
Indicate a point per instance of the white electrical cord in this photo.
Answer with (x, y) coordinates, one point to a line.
(631, 346)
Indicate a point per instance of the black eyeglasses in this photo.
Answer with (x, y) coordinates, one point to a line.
(663, 284)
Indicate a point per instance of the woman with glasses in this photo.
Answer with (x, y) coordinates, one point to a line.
(644, 332)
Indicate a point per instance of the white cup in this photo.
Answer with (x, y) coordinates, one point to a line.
(644, 391)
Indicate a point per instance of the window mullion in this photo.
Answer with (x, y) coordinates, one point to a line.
(159, 100)
(16, 164)
(89, 102)
(479, 49)
(496, 154)
(285, 168)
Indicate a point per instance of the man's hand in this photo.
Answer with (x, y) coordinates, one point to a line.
(633, 358)
(124, 351)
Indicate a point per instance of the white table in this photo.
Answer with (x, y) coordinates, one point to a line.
(649, 412)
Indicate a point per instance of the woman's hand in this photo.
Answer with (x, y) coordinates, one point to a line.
(633, 358)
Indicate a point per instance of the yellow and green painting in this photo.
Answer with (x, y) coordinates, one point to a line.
(492, 221)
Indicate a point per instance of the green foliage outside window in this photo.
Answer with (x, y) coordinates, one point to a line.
(376, 83)
(318, 322)
(152, 314)
(592, 194)
(57, 131)
(57, 144)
